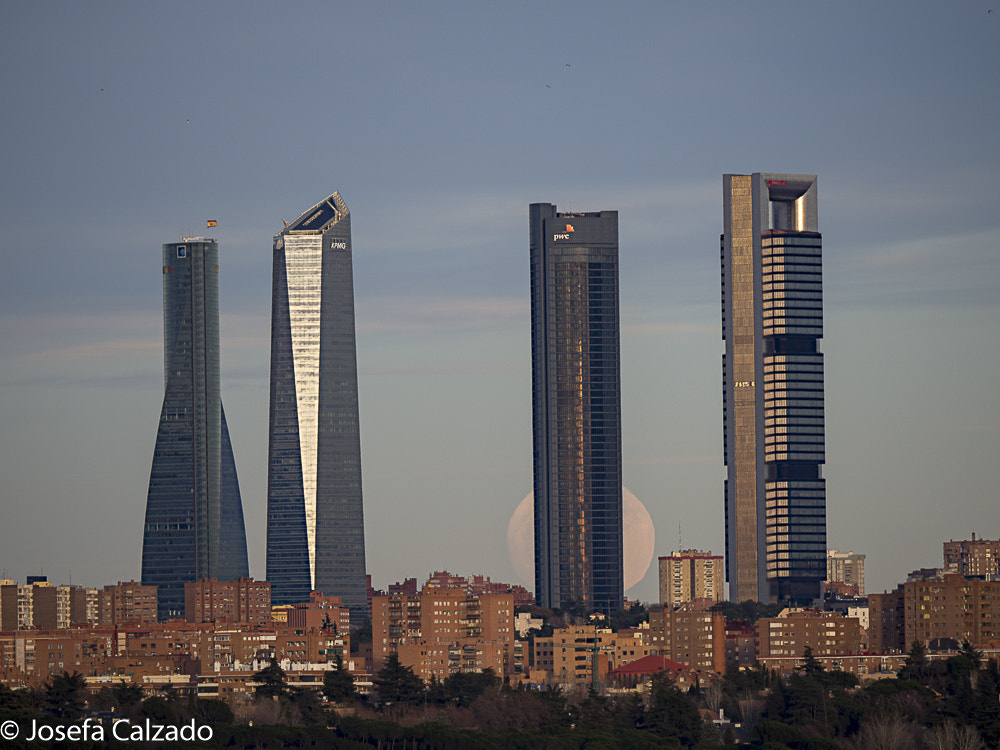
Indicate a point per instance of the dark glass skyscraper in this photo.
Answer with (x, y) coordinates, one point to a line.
(194, 515)
(576, 408)
(772, 374)
(315, 518)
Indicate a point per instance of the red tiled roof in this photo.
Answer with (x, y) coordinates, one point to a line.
(650, 665)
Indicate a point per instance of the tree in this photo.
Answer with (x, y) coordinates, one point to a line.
(951, 737)
(395, 683)
(271, 681)
(971, 653)
(64, 695)
(19, 701)
(127, 696)
(361, 635)
(575, 608)
(886, 732)
(811, 665)
(160, 710)
(917, 655)
(628, 618)
(211, 711)
(306, 706)
(462, 688)
(672, 713)
(338, 684)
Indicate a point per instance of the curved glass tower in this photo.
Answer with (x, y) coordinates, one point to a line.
(576, 408)
(194, 515)
(772, 372)
(315, 517)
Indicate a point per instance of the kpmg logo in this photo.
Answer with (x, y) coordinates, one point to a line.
(564, 235)
(338, 245)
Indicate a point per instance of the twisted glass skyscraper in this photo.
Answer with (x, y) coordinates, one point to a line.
(194, 516)
(315, 518)
(772, 373)
(576, 408)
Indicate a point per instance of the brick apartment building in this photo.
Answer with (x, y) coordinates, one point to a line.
(442, 631)
(689, 575)
(950, 606)
(794, 630)
(127, 601)
(320, 612)
(568, 656)
(242, 600)
(846, 569)
(972, 557)
(157, 654)
(696, 639)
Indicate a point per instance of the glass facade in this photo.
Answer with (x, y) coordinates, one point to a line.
(194, 515)
(315, 519)
(576, 389)
(773, 423)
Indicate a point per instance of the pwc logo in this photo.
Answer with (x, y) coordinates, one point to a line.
(564, 235)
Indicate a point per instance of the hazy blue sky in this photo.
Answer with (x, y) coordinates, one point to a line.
(126, 125)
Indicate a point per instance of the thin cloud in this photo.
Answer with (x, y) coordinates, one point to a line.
(100, 350)
(672, 461)
(447, 368)
(417, 314)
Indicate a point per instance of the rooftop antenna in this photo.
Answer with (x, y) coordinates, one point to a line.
(679, 545)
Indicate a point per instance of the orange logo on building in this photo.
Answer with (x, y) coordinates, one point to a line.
(569, 228)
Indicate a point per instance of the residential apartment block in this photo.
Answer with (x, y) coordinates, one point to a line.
(973, 557)
(570, 656)
(325, 612)
(691, 574)
(242, 600)
(696, 639)
(127, 601)
(156, 655)
(794, 630)
(847, 568)
(444, 631)
(950, 606)
(8, 605)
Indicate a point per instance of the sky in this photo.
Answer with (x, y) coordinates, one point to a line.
(127, 125)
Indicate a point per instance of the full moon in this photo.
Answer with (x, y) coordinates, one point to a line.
(639, 541)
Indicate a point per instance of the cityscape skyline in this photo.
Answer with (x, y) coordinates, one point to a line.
(889, 110)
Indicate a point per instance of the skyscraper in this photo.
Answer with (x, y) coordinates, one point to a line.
(772, 374)
(194, 515)
(315, 518)
(576, 408)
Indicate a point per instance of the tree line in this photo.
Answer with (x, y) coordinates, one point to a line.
(952, 703)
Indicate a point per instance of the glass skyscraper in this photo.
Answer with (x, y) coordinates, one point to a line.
(772, 374)
(576, 408)
(194, 516)
(315, 518)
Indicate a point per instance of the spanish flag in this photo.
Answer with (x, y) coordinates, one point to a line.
(211, 223)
